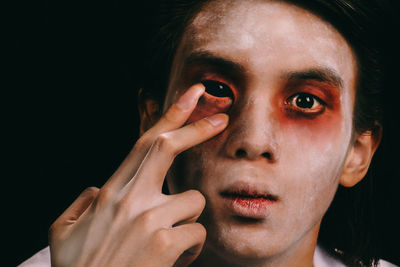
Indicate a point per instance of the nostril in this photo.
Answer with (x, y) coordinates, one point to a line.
(243, 153)
(240, 153)
(266, 155)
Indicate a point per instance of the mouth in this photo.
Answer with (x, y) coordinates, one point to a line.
(247, 202)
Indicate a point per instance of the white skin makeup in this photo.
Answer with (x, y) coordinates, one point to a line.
(270, 144)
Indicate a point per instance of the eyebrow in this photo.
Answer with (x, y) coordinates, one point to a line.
(206, 58)
(325, 74)
(321, 74)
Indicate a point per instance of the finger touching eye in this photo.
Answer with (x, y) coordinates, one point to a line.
(217, 98)
(306, 103)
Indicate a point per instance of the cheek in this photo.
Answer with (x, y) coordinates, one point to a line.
(316, 146)
(317, 133)
(314, 153)
(191, 166)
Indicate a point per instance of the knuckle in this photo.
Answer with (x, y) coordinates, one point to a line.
(203, 126)
(147, 220)
(143, 142)
(122, 208)
(200, 231)
(92, 190)
(105, 196)
(163, 240)
(197, 197)
(164, 143)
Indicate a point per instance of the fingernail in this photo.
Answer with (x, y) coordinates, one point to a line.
(189, 98)
(218, 119)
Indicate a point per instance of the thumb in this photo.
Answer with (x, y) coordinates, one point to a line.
(75, 210)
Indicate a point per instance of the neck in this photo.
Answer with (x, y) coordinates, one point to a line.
(299, 254)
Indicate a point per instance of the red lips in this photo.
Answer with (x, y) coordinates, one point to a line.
(244, 201)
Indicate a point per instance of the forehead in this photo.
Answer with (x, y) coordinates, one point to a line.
(261, 32)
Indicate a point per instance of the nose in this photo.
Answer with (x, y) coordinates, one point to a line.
(252, 134)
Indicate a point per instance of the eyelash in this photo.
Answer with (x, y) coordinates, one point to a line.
(318, 106)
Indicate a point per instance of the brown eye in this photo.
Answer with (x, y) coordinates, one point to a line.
(306, 102)
(217, 89)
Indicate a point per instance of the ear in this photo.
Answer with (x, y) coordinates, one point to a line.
(149, 112)
(359, 157)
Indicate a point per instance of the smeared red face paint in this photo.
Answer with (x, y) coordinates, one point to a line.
(287, 80)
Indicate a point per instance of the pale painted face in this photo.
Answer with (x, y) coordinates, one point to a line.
(288, 84)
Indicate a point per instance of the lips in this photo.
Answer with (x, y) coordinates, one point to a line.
(248, 201)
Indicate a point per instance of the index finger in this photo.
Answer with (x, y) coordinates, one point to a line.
(174, 118)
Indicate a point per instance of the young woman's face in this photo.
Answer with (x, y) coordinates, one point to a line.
(287, 80)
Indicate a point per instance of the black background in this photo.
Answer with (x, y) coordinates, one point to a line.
(70, 113)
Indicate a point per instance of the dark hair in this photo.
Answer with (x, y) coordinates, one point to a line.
(346, 228)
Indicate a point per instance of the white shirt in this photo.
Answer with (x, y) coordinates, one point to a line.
(321, 259)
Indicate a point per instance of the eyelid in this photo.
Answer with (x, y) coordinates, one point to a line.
(324, 92)
(216, 78)
(305, 111)
(219, 102)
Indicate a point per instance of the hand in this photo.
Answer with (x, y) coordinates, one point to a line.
(129, 222)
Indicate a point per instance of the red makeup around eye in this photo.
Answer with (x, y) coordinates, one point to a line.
(328, 93)
(322, 123)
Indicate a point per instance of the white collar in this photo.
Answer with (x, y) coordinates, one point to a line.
(323, 259)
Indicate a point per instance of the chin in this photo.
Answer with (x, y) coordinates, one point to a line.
(248, 241)
(242, 240)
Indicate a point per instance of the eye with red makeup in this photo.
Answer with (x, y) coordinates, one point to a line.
(218, 93)
(310, 99)
(217, 98)
(305, 103)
